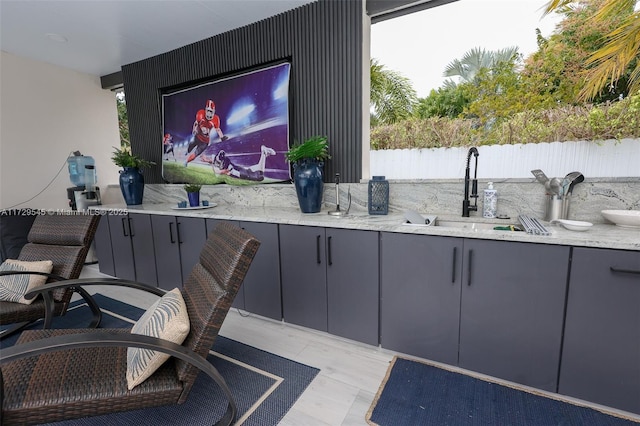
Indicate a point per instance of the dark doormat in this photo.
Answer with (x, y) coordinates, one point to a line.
(415, 393)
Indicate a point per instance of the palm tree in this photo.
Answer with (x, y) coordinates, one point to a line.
(620, 52)
(476, 59)
(392, 95)
(123, 122)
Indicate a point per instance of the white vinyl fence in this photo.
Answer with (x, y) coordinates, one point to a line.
(593, 159)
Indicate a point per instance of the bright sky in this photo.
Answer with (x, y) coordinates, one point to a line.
(420, 45)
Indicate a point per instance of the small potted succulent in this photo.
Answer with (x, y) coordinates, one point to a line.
(193, 193)
(131, 178)
(308, 161)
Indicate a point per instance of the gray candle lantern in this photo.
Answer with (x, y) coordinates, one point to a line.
(378, 195)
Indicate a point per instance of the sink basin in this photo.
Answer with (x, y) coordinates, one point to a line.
(468, 225)
(432, 220)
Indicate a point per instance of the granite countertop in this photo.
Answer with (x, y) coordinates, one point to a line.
(599, 235)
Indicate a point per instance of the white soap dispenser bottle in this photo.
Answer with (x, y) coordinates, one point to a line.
(489, 207)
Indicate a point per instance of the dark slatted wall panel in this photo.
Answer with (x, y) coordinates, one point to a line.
(322, 40)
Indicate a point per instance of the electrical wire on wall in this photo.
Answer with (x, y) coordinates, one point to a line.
(45, 188)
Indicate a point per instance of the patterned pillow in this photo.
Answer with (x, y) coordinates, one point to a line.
(166, 319)
(14, 287)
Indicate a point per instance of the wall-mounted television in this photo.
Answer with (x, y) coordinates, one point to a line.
(231, 130)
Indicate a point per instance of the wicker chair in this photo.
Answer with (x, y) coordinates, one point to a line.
(65, 240)
(37, 389)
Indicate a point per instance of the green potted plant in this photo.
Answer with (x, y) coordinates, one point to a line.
(124, 158)
(193, 193)
(308, 160)
(131, 178)
(315, 147)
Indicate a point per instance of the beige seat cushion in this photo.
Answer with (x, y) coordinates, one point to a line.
(166, 319)
(14, 287)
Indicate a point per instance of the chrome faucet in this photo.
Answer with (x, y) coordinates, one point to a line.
(466, 207)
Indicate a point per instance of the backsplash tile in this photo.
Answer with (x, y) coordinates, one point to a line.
(515, 196)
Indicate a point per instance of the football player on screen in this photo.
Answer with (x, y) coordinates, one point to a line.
(206, 122)
(167, 143)
(222, 165)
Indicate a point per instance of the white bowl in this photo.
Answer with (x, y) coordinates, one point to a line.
(574, 225)
(624, 218)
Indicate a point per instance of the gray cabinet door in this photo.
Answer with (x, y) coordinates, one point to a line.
(102, 242)
(262, 282)
(238, 302)
(192, 234)
(143, 254)
(211, 223)
(353, 284)
(304, 276)
(167, 251)
(123, 263)
(601, 351)
(512, 308)
(420, 295)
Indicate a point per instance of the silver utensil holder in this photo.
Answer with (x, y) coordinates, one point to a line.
(557, 207)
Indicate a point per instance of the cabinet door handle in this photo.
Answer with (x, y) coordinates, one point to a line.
(173, 241)
(124, 227)
(329, 250)
(453, 265)
(318, 249)
(178, 232)
(624, 271)
(469, 268)
(130, 227)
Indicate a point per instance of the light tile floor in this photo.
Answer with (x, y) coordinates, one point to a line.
(350, 375)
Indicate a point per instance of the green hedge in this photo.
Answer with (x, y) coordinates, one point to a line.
(617, 120)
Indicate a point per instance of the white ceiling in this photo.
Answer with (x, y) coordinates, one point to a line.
(103, 35)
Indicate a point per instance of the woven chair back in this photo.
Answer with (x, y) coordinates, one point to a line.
(63, 239)
(210, 289)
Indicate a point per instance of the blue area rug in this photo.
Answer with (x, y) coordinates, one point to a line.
(264, 385)
(415, 393)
